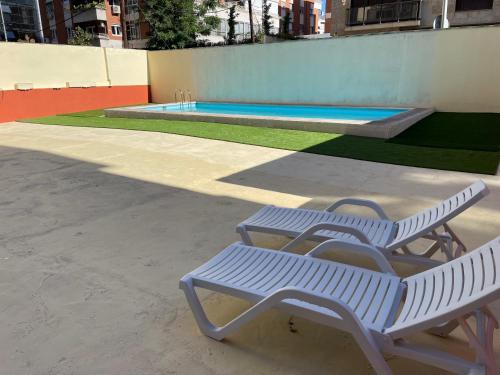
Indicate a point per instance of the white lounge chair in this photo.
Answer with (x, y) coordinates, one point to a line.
(390, 237)
(362, 302)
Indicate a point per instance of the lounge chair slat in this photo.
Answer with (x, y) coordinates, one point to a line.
(258, 271)
(239, 269)
(410, 299)
(353, 285)
(308, 276)
(277, 265)
(430, 283)
(489, 268)
(437, 297)
(320, 273)
(368, 296)
(337, 278)
(360, 291)
(377, 301)
(285, 275)
(233, 258)
(327, 279)
(287, 279)
(284, 267)
(420, 288)
(458, 283)
(344, 283)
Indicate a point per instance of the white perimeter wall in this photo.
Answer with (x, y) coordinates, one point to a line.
(451, 70)
(54, 65)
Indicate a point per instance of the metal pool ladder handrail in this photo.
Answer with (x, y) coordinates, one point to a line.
(190, 99)
(180, 99)
(183, 97)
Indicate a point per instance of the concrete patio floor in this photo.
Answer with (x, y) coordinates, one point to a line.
(98, 225)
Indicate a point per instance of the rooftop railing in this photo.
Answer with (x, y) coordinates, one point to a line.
(383, 13)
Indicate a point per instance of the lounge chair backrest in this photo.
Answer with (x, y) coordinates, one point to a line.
(450, 290)
(422, 223)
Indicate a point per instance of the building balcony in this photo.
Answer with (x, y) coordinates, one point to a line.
(131, 16)
(397, 14)
(93, 14)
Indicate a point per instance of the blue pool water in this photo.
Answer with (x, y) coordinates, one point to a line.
(282, 110)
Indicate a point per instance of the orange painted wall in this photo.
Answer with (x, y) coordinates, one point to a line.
(16, 104)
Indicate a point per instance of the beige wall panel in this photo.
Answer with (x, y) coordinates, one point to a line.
(127, 66)
(171, 70)
(47, 66)
(452, 70)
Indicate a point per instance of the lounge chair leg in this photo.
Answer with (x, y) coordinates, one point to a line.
(460, 245)
(366, 341)
(370, 349)
(482, 339)
(206, 327)
(434, 357)
(445, 329)
(245, 237)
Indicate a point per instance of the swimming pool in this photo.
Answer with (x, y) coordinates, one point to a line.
(379, 122)
(282, 110)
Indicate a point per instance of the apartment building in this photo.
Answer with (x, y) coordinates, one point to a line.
(136, 29)
(347, 17)
(304, 16)
(321, 24)
(20, 20)
(102, 20)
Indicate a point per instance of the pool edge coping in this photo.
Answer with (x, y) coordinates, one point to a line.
(385, 128)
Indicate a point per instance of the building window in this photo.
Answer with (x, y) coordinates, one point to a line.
(90, 29)
(49, 7)
(22, 15)
(133, 30)
(116, 30)
(53, 35)
(70, 32)
(222, 29)
(131, 6)
(473, 4)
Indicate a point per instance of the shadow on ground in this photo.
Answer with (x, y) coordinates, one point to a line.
(89, 268)
(401, 151)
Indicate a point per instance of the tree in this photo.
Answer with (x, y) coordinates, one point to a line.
(286, 23)
(231, 23)
(177, 23)
(250, 16)
(266, 17)
(80, 37)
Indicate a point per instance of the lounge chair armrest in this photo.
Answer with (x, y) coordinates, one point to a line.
(362, 249)
(359, 202)
(309, 232)
(332, 303)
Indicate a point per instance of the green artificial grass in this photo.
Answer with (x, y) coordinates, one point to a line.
(466, 131)
(424, 147)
